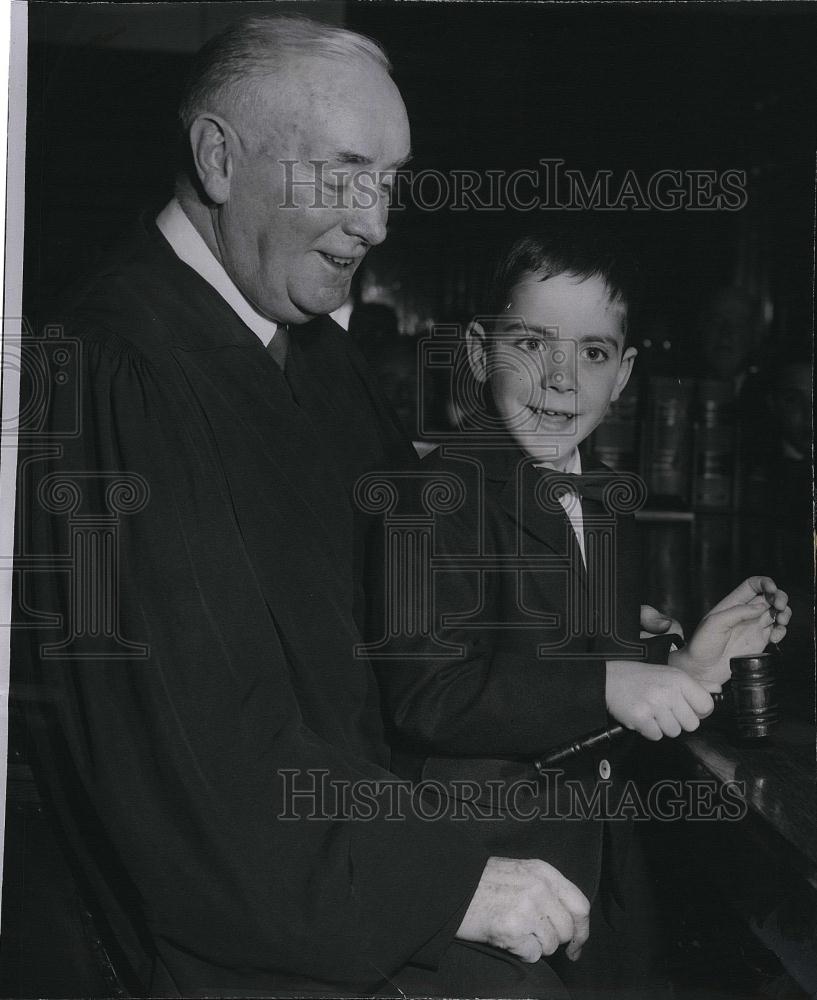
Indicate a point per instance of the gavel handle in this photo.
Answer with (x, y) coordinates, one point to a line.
(568, 750)
(590, 742)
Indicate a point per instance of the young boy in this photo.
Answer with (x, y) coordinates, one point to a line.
(536, 597)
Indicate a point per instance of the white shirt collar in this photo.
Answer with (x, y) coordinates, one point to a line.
(189, 246)
(573, 465)
(572, 503)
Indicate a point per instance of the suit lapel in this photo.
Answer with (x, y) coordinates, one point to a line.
(591, 601)
(524, 500)
(537, 520)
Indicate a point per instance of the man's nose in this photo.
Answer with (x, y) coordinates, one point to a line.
(367, 218)
(559, 367)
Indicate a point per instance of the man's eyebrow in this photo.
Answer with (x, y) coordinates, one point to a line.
(360, 159)
(347, 156)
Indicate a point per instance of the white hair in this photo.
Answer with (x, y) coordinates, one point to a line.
(225, 70)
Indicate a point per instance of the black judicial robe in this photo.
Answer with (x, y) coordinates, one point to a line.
(226, 657)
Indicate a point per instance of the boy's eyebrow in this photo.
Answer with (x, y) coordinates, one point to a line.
(603, 339)
(552, 332)
(512, 323)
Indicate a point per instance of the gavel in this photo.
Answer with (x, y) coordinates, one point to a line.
(754, 708)
(754, 703)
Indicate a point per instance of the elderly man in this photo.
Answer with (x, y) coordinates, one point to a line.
(206, 692)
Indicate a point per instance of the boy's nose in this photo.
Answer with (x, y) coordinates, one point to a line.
(559, 370)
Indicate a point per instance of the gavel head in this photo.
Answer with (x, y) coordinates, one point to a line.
(753, 695)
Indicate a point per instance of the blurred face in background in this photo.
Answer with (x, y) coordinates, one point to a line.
(790, 400)
(397, 378)
(729, 332)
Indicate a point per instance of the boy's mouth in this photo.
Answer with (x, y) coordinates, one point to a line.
(560, 415)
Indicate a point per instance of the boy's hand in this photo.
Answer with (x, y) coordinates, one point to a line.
(776, 599)
(527, 907)
(653, 622)
(742, 624)
(655, 700)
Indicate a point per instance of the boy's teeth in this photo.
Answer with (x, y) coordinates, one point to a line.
(555, 413)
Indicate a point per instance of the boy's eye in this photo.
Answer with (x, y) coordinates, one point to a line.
(532, 345)
(595, 354)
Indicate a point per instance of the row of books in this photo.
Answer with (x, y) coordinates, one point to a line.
(688, 441)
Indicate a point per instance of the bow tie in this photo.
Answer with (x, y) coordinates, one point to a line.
(588, 487)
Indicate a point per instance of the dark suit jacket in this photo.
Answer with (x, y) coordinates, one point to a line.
(533, 631)
(220, 491)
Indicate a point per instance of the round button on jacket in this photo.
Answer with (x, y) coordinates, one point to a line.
(604, 769)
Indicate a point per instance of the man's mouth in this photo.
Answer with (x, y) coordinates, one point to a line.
(339, 262)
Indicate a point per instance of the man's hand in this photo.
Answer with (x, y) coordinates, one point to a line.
(655, 700)
(653, 622)
(528, 908)
(742, 624)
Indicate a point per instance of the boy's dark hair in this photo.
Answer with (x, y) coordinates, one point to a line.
(581, 248)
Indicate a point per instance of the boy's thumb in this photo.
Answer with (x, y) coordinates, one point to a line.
(730, 617)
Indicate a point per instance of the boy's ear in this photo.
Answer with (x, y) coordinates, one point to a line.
(476, 344)
(625, 369)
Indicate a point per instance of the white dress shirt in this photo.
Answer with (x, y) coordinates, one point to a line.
(190, 247)
(571, 501)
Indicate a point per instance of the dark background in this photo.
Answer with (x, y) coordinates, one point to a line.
(501, 85)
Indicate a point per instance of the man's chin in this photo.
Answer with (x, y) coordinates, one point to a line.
(305, 311)
(318, 305)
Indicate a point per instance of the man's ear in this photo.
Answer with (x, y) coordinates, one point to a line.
(625, 369)
(476, 344)
(212, 144)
